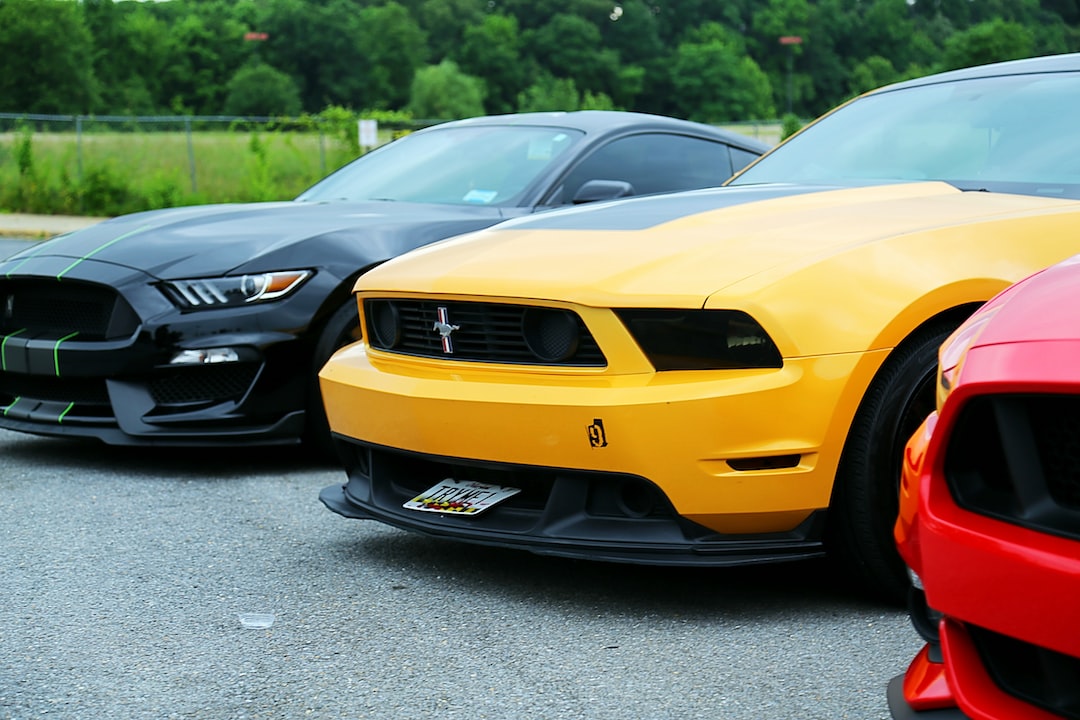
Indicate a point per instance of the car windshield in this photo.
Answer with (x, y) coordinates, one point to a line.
(481, 165)
(1002, 134)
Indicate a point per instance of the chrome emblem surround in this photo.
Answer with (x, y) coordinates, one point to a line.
(445, 329)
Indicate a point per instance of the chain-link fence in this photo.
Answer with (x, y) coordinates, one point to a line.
(113, 164)
(82, 131)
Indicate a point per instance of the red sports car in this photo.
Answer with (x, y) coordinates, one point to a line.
(990, 514)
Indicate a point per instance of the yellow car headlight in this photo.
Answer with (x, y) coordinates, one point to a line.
(701, 339)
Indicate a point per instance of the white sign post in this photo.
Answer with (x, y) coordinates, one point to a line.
(369, 133)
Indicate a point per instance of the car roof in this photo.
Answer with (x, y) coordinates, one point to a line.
(1069, 62)
(606, 121)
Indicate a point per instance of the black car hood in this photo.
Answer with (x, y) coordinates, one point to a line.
(209, 240)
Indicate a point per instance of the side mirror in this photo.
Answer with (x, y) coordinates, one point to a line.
(595, 190)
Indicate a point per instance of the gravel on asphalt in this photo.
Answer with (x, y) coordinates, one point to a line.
(125, 572)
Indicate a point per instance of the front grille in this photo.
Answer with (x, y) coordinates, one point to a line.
(200, 385)
(484, 332)
(90, 391)
(46, 399)
(1044, 678)
(1017, 458)
(556, 492)
(50, 308)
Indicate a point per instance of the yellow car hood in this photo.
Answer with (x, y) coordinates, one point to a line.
(679, 249)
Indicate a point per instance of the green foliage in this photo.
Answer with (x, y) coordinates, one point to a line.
(694, 58)
(987, 42)
(260, 182)
(117, 173)
(26, 189)
(320, 45)
(634, 33)
(389, 117)
(259, 89)
(569, 46)
(492, 51)
(443, 92)
(395, 48)
(789, 125)
(102, 185)
(595, 101)
(198, 66)
(550, 94)
(128, 60)
(43, 66)
(871, 73)
(716, 83)
(24, 151)
(448, 23)
(340, 124)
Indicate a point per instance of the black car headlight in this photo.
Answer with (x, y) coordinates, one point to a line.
(234, 290)
(701, 339)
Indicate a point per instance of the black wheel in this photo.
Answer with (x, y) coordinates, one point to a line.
(865, 499)
(340, 330)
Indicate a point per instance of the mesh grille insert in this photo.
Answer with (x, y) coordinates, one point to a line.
(215, 383)
(57, 308)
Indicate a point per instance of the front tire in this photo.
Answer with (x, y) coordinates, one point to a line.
(866, 492)
(343, 328)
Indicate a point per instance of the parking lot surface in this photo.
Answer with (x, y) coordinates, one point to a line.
(125, 573)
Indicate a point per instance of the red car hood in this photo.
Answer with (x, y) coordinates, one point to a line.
(1041, 308)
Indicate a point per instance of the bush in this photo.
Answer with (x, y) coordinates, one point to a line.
(262, 90)
(443, 92)
(790, 125)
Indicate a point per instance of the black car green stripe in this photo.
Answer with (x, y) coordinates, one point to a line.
(56, 351)
(3, 347)
(99, 248)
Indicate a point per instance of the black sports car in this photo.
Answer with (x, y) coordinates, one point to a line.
(207, 325)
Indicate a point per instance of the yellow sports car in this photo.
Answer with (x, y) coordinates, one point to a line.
(715, 377)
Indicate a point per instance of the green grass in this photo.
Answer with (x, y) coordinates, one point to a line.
(111, 173)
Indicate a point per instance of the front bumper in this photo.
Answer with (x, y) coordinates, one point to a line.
(598, 516)
(1010, 646)
(110, 377)
(901, 709)
(1009, 641)
(741, 462)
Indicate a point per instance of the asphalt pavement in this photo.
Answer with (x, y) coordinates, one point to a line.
(40, 227)
(127, 575)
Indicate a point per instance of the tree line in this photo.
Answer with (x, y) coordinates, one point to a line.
(709, 60)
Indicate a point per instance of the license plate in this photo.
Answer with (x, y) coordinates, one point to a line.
(460, 497)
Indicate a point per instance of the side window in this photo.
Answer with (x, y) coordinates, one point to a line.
(651, 163)
(740, 159)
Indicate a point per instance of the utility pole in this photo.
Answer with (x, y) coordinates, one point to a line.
(791, 41)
